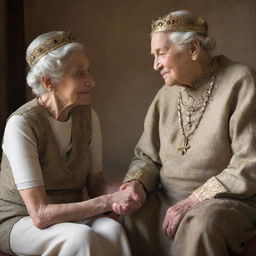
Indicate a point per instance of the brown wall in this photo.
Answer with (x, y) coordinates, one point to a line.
(116, 35)
(3, 103)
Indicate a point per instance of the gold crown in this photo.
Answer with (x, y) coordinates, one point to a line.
(49, 45)
(182, 23)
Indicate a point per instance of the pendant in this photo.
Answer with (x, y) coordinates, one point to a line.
(183, 148)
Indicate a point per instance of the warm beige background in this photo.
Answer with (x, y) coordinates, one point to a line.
(116, 35)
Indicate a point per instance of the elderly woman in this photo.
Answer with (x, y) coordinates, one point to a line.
(52, 157)
(199, 141)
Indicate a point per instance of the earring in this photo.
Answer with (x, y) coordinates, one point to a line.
(52, 91)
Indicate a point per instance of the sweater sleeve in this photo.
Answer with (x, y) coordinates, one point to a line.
(238, 179)
(146, 163)
(19, 145)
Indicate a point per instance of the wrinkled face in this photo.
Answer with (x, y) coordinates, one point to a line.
(174, 64)
(76, 84)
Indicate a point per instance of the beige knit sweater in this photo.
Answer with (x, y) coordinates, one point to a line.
(221, 160)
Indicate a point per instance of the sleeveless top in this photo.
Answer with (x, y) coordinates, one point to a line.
(64, 176)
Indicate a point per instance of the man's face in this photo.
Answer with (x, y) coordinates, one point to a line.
(173, 63)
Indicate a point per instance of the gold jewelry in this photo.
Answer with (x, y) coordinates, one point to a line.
(48, 46)
(44, 106)
(182, 23)
(183, 148)
(52, 91)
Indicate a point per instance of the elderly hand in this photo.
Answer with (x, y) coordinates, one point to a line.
(136, 199)
(123, 199)
(175, 214)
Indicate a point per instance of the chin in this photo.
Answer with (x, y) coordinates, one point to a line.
(84, 100)
(170, 83)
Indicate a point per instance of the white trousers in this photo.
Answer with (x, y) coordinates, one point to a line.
(94, 237)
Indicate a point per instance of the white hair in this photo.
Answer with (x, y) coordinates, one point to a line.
(182, 39)
(52, 65)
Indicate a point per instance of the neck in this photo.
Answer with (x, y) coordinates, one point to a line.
(56, 108)
(201, 66)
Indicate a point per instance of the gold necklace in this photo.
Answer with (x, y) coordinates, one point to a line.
(44, 106)
(183, 148)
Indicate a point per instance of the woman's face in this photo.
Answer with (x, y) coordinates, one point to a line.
(76, 85)
(175, 65)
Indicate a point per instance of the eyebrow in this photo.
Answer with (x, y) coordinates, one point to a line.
(156, 50)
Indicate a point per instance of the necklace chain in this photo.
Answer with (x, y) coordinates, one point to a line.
(183, 148)
(44, 106)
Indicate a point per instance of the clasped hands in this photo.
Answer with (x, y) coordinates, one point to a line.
(131, 197)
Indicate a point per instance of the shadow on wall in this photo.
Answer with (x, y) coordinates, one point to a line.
(116, 36)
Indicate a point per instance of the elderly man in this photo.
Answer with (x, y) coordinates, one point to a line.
(199, 144)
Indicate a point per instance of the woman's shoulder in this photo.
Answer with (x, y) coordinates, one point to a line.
(166, 95)
(235, 78)
(27, 108)
(235, 70)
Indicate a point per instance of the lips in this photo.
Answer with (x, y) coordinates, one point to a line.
(164, 74)
(86, 92)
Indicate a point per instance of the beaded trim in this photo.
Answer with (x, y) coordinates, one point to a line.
(48, 46)
(210, 189)
(182, 23)
(143, 176)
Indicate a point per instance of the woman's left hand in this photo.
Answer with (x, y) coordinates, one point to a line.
(175, 214)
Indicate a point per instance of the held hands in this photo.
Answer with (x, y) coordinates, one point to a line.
(175, 214)
(130, 198)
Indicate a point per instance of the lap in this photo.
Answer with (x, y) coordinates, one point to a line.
(225, 223)
(144, 227)
(218, 210)
(235, 218)
(31, 239)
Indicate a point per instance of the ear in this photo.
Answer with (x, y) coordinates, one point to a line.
(46, 81)
(194, 49)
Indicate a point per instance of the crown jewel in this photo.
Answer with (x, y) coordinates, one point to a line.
(49, 45)
(182, 23)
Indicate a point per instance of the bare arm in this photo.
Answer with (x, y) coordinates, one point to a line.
(45, 214)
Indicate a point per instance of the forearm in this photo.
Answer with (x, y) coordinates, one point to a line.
(144, 167)
(45, 214)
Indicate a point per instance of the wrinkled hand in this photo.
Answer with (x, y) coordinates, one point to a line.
(137, 197)
(175, 214)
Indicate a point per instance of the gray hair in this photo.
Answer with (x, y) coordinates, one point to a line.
(52, 65)
(182, 39)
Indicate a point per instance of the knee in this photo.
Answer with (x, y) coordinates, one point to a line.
(78, 235)
(107, 226)
(210, 218)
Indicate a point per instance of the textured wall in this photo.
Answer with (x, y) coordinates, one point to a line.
(116, 36)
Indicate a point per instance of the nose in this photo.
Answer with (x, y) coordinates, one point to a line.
(157, 65)
(90, 81)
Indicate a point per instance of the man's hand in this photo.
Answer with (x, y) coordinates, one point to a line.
(136, 199)
(175, 214)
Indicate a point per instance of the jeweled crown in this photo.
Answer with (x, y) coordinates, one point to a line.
(182, 23)
(49, 45)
